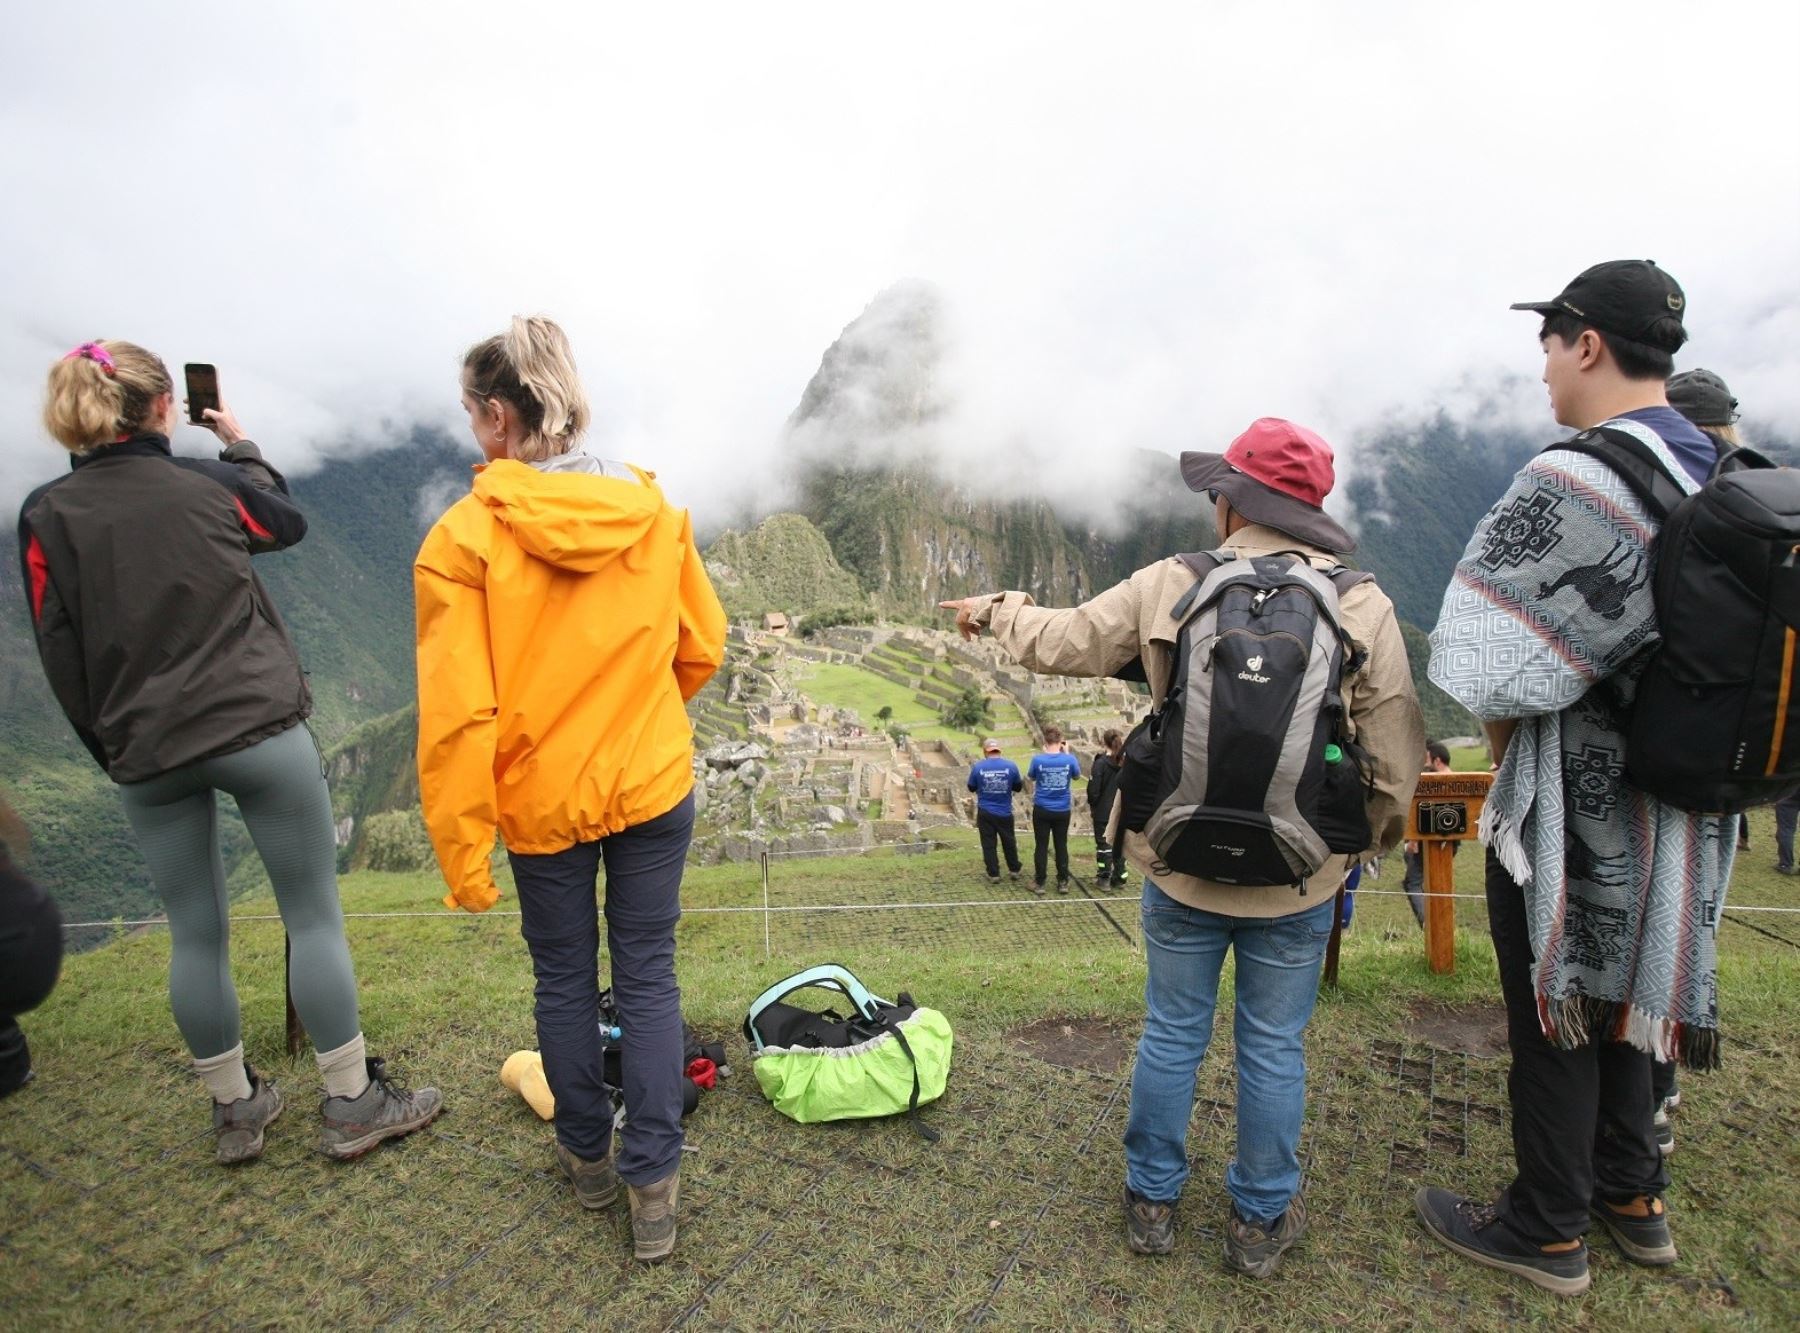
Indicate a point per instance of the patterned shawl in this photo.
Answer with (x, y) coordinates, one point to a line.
(1549, 620)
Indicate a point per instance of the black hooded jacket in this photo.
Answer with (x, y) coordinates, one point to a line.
(160, 642)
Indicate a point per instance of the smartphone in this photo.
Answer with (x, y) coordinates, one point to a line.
(202, 390)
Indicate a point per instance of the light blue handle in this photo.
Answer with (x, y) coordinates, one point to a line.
(827, 975)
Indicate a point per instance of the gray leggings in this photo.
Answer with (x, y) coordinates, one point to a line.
(280, 789)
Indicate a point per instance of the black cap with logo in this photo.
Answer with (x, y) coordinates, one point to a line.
(1629, 298)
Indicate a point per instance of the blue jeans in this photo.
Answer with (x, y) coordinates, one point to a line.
(1278, 964)
(559, 917)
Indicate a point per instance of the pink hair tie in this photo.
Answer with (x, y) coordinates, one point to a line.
(97, 354)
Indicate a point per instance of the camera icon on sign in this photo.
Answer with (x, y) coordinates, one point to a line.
(1441, 819)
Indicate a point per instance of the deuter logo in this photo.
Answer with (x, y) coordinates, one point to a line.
(1254, 674)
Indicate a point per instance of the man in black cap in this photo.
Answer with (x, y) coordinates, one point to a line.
(1269, 490)
(1599, 896)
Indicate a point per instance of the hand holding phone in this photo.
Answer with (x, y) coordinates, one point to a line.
(205, 407)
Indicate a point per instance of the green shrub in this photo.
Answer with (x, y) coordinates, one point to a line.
(968, 711)
(396, 840)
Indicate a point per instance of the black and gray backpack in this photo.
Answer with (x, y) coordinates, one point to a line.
(1715, 724)
(1246, 773)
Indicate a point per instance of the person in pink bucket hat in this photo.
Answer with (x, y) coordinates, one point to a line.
(1268, 490)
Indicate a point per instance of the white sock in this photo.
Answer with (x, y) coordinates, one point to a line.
(224, 1075)
(344, 1072)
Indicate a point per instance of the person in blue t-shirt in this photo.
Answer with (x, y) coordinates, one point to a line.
(1052, 775)
(994, 780)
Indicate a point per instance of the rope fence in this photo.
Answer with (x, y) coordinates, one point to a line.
(773, 910)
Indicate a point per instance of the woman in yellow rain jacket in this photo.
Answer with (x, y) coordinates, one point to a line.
(564, 618)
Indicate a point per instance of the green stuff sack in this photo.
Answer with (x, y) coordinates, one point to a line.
(885, 1058)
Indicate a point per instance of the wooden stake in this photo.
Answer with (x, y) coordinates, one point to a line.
(1337, 938)
(1440, 907)
(296, 1034)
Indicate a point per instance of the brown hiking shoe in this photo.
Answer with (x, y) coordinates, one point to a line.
(596, 1183)
(653, 1217)
(386, 1110)
(1149, 1226)
(239, 1125)
(1251, 1250)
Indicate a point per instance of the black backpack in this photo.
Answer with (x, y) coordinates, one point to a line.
(1715, 726)
(1246, 773)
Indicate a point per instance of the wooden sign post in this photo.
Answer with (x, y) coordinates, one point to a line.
(1446, 810)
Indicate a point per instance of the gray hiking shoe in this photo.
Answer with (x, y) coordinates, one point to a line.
(1149, 1226)
(653, 1217)
(386, 1110)
(239, 1125)
(1643, 1239)
(596, 1183)
(1252, 1250)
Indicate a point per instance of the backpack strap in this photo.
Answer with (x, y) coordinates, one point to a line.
(827, 976)
(1200, 563)
(1636, 465)
(922, 1129)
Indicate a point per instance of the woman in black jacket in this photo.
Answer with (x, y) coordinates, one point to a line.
(1103, 785)
(169, 658)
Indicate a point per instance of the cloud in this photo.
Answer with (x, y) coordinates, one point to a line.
(1149, 225)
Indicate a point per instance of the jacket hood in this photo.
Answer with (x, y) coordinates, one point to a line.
(575, 519)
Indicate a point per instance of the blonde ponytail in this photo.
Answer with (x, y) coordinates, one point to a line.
(531, 367)
(100, 391)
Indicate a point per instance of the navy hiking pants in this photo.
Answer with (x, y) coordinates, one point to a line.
(560, 919)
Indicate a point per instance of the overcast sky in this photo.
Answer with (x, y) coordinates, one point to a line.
(1149, 224)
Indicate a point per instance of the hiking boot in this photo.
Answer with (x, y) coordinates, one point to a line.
(1665, 1133)
(1252, 1250)
(1643, 1239)
(1062, 886)
(1477, 1231)
(596, 1183)
(239, 1125)
(653, 1218)
(386, 1110)
(1149, 1226)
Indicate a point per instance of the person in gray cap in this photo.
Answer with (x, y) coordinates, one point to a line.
(1703, 398)
(1268, 490)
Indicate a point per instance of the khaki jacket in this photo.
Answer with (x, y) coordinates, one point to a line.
(1132, 619)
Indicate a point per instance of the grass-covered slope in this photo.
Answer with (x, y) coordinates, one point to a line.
(115, 1216)
(782, 564)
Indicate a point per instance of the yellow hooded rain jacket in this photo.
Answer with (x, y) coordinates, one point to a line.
(564, 617)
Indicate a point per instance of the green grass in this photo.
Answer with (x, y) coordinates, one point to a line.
(843, 686)
(114, 1214)
(1470, 759)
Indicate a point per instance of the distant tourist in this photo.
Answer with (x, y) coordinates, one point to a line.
(1704, 399)
(1601, 898)
(1102, 787)
(167, 654)
(1052, 777)
(31, 950)
(1437, 760)
(994, 780)
(564, 618)
(1787, 814)
(1269, 488)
